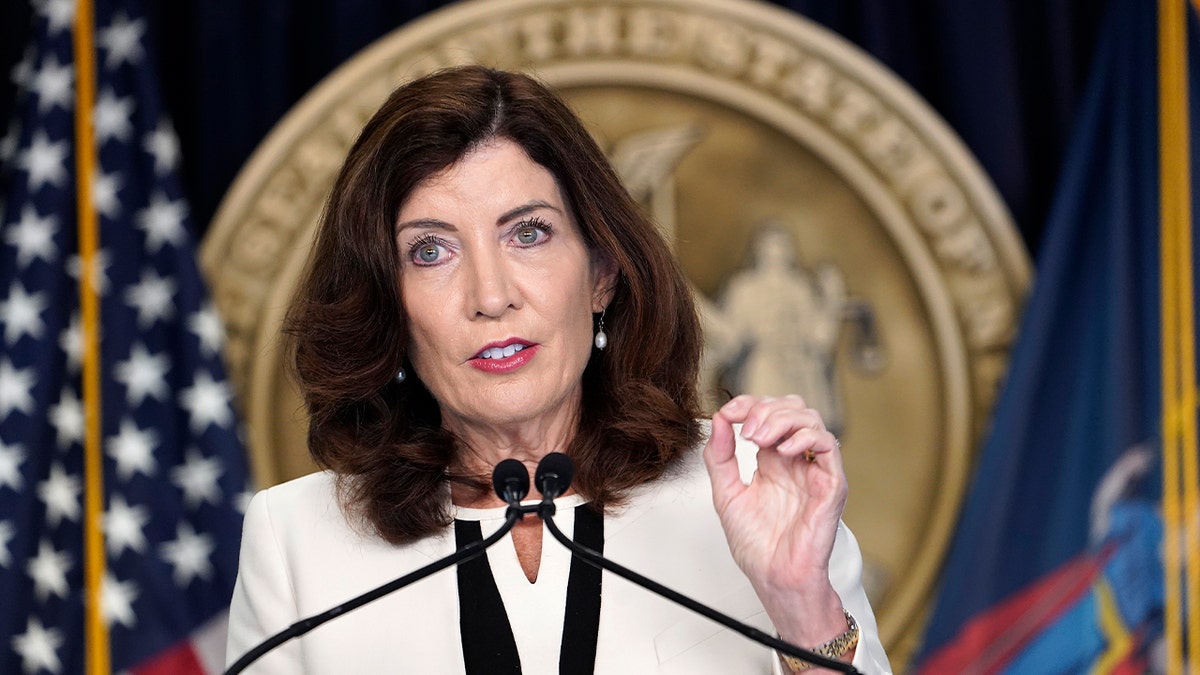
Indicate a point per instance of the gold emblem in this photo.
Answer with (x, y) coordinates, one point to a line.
(843, 243)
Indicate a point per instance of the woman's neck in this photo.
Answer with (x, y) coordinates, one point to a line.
(483, 446)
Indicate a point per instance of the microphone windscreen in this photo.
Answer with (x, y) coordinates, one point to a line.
(554, 474)
(509, 474)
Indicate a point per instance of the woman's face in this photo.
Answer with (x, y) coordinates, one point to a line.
(499, 289)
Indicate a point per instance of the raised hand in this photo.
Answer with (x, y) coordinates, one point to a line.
(782, 525)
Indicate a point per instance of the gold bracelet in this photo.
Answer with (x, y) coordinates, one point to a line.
(833, 649)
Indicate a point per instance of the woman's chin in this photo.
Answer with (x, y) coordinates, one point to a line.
(519, 408)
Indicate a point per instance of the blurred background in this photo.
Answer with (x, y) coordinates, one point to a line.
(1076, 546)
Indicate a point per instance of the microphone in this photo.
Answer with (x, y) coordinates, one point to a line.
(510, 479)
(553, 477)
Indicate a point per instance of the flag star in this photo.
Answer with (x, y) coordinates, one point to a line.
(33, 237)
(144, 374)
(104, 194)
(11, 458)
(38, 647)
(162, 220)
(49, 571)
(189, 554)
(71, 342)
(45, 162)
(6, 535)
(124, 527)
(99, 268)
(16, 387)
(60, 13)
(122, 41)
(164, 146)
(206, 324)
(22, 73)
(116, 601)
(152, 296)
(197, 477)
(60, 492)
(8, 144)
(67, 418)
(21, 314)
(113, 117)
(207, 401)
(133, 450)
(54, 84)
(242, 501)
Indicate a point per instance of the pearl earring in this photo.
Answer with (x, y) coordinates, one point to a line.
(601, 340)
(400, 376)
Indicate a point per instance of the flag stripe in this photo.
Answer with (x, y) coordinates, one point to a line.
(97, 659)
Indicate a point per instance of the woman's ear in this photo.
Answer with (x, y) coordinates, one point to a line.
(604, 281)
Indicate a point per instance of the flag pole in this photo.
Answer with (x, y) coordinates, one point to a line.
(1188, 401)
(1168, 175)
(1190, 448)
(95, 630)
(1180, 567)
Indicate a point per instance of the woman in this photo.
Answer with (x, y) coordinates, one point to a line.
(482, 287)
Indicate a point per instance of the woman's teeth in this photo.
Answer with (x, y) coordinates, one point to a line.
(500, 352)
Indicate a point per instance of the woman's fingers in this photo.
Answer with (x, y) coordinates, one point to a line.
(786, 423)
(808, 443)
(720, 458)
(754, 412)
(782, 524)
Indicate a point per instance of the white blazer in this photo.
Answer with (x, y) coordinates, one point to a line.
(300, 557)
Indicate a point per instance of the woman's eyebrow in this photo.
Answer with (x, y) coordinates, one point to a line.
(433, 223)
(525, 209)
(516, 212)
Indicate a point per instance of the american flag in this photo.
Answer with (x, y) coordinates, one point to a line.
(175, 474)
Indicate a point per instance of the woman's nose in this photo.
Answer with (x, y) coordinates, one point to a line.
(492, 289)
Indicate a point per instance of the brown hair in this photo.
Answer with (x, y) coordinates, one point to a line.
(349, 334)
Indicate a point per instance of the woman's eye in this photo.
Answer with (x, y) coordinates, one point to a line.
(427, 252)
(532, 232)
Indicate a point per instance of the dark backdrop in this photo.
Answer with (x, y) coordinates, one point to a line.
(1006, 75)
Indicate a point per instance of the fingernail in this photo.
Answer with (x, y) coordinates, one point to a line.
(748, 429)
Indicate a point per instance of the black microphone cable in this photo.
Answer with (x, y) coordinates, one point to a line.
(553, 477)
(510, 479)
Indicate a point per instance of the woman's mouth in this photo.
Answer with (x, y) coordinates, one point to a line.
(503, 358)
(500, 352)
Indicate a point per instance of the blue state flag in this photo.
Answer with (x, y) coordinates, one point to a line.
(1057, 563)
(174, 471)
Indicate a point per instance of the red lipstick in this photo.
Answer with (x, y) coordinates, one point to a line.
(504, 356)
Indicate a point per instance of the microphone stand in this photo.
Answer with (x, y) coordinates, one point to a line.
(546, 511)
(469, 552)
